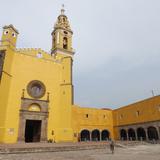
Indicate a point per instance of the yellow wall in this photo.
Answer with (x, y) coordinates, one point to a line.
(149, 110)
(100, 119)
(5, 85)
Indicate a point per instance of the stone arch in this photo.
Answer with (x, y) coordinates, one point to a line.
(105, 134)
(152, 133)
(85, 135)
(33, 120)
(131, 134)
(123, 134)
(96, 135)
(141, 134)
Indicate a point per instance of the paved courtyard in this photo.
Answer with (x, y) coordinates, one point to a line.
(140, 152)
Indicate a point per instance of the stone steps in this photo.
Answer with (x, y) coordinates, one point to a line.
(132, 143)
(57, 147)
(50, 149)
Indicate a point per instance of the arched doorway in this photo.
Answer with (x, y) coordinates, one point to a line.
(123, 134)
(105, 135)
(85, 135)
(33, 120)
(96, 135)
(141, 134)
(131, 134)
(152, 133)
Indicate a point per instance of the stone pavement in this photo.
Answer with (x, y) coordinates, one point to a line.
(140, 152)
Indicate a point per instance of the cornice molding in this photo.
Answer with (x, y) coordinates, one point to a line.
(62, 51)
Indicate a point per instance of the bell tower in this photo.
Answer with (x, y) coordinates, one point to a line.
(62, 37)
(62, 50)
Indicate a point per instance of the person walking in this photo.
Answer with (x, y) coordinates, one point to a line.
(112, 146)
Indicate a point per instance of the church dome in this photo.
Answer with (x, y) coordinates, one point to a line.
(62, 21)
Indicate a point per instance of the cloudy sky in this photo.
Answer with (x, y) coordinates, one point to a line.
(117, 42)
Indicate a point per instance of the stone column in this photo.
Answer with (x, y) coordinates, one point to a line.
(127, 134)
(158, 132)
(21, 134)
(44, 130)
(100, 136)
(146, 134)
(90, 136)
(136, 134)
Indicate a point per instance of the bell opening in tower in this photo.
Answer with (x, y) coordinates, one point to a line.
(65, 43)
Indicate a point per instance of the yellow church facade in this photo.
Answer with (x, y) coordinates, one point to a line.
(36, 97)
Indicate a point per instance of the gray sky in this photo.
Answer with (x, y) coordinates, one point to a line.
(117, 58)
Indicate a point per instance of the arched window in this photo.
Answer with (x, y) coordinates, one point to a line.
(65, 43)
(96, 135)
(141, 134)
(34, 107)
(105, 135)
(131, 134)
(54, 42)
(85, 135)
(152, 133)
(123, 134)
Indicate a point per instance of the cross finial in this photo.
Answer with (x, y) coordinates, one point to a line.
(62, 10)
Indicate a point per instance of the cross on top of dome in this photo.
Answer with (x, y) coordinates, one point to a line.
(62, 21)
(62, 10)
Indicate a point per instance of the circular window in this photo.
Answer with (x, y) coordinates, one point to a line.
(36, 89)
